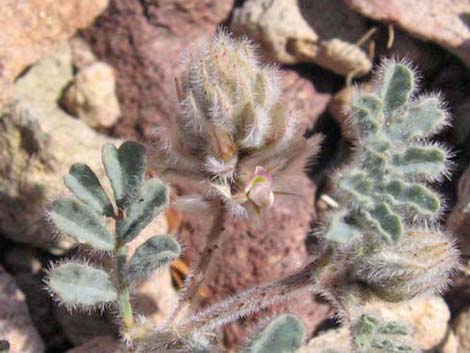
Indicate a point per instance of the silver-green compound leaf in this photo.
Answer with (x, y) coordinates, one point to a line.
(75, 219)
(387, 222)
(422, 119)
(422, 199)
(151, 200)
(427, 161)
(84, 184)
(397, 85)
(340, 230)
(284, 334)
(156, 252)
(82, 286)
(125, 168)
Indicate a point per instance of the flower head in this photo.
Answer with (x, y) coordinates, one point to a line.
(232, 132)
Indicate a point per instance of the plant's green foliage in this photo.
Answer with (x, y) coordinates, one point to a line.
(386, 187)
(284, 334)
(397, 84)
(372, 335)
(151, 200)
(82, 224)
(87, 188)
(4, 346)
(420, 161)
(78, 285)
(126, 169)
(156, 252)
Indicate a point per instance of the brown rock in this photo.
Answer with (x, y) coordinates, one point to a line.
(444, 22)
(105, 344)
(301, 96)
(34, 28)
(253, 254)
(15, 324)
(144, 41)
(323, 32)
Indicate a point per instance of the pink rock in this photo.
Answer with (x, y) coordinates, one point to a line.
(34, 29)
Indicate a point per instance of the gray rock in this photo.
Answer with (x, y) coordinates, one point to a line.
(38, 144)
(323, 32)
(92, 97)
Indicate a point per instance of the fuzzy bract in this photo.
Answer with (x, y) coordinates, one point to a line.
(231, 124)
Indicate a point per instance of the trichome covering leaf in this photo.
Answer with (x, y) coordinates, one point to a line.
(75, 219)
(156, 252)
(79, 285)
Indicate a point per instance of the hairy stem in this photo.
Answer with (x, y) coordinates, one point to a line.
(189, 294)
(125, 307)
(253, 300)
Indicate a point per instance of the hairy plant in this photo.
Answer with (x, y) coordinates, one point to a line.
(79, 284)
(232, 133)
(286, 333)
(235, 141)
(232, 138)
(384, 238)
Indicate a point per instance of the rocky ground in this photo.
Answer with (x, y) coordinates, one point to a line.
(77, 74)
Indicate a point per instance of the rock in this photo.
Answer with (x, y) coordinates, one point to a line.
(81, 327)
(25, 264)
(92, 98)
(252, 254)
(303, 97)
(427, 316)
(458, 221)
(451, 344)
(323, 32)
(82, 55)
(105, 344)
(15, 323)
(144, 41)
(38, 144)
(339, 339)
(461, 327)
(444, 22)
(34, 29)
